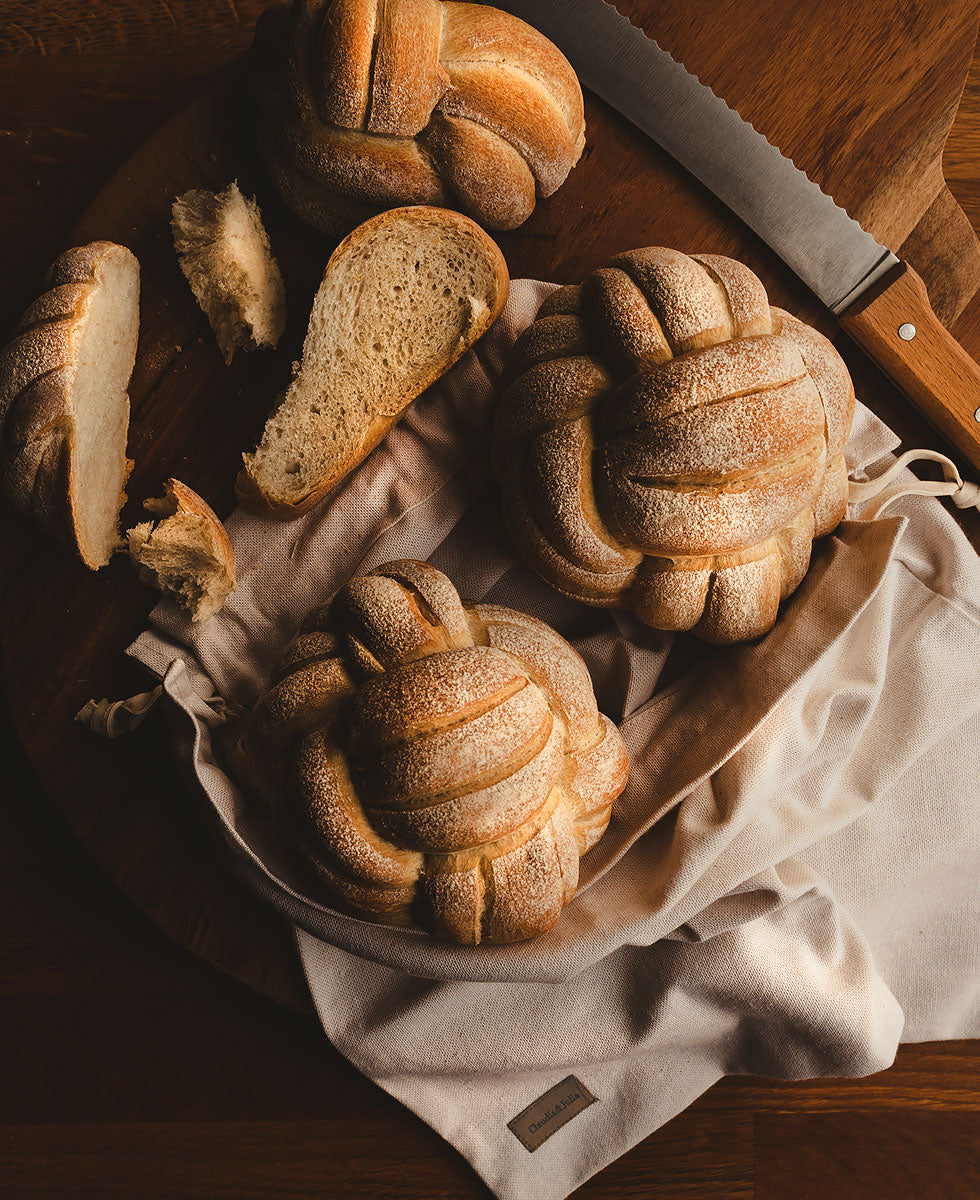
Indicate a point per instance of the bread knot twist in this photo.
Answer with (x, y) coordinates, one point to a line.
(371, 104)
(671, 444)
(439, 761)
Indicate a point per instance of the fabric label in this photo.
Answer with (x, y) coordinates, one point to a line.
(536, 1123)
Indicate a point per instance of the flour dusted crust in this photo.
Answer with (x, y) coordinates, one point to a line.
(369, 104)
(669, 443)
(438, 761)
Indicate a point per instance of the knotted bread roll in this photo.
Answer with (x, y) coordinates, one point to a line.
(373, 104)
(672, 445)
(437, 760)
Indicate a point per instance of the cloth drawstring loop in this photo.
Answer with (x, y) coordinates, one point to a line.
(963, 493)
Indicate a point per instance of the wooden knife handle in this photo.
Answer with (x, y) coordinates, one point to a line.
(931, 367)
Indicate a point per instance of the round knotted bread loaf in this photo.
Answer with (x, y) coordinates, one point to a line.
(438, 761)
(671, 444)
(369, 105)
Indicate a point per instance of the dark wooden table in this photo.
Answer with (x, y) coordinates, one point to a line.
(128, 1067)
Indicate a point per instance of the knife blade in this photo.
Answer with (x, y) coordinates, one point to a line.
(878, 299)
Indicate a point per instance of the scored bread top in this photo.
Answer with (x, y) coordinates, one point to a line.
(438, 761)
(668, 442)
(413, 101)
(402, 298)
(64, 411)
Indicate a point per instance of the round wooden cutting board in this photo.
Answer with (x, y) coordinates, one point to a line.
(861, 96)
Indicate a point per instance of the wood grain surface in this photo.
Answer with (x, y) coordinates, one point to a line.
(129, 1067)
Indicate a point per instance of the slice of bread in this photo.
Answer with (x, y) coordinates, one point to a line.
(224, 251)
(64, 408)
(187, 554)
(402, 297)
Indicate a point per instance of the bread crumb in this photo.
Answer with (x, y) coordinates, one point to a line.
(224, 251)
(186, 553)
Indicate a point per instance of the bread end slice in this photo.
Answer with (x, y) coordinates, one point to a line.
(402, 298)
(64, 408)
(224, 251)
(187, 554)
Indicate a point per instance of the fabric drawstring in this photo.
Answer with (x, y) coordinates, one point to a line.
(114, 718)
(963, 493)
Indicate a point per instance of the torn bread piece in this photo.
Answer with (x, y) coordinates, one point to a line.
(187, 554)
(64, 407)
(224, 251)
(402, 298)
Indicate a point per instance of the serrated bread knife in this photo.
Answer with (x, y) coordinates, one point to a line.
(878, 299)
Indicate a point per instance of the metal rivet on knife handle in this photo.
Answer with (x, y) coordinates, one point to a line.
(906, 332)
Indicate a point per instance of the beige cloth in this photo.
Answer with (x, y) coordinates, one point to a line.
(793, 864)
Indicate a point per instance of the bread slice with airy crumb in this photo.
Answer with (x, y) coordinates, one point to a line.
(224, 251)
(402, 297)
(64, 407)
(187, 554)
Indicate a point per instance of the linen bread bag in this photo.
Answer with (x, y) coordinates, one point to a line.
(700, 941)
(669, 443)
(436, 761)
